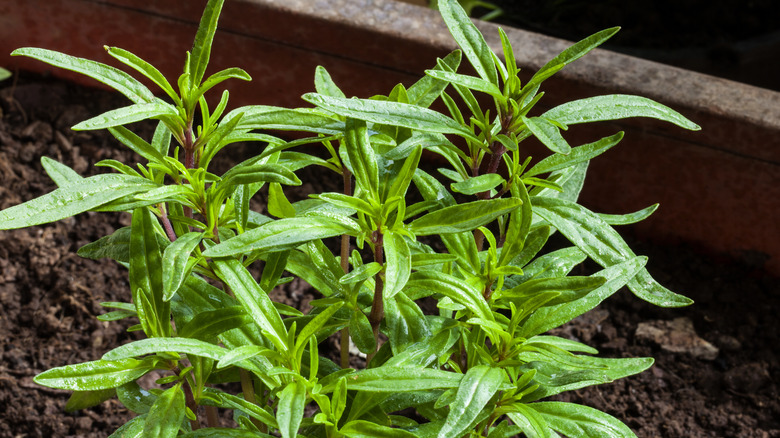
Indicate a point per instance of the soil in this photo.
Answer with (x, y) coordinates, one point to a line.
(49, 300)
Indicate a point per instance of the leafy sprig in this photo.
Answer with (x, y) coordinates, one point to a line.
(481, 365)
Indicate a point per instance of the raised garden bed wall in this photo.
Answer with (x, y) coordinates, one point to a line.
(718, 188)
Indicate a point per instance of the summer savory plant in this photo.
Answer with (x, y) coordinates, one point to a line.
(201, 263)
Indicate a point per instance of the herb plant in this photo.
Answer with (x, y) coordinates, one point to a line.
(478, 365)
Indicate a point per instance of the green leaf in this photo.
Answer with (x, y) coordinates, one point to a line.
(144, 68)
(278, 205)
(361, 332)
(478, 184)
(469, 82)
(554, 378)
(630, 218)
(137, 144)
(289, 413)
(455, 288)
(402, 379)
(283, 234)
(254, 299)
(135, 398)
(530, 421)
(61, 174)
(73, 199)
(300, 119)
(368, 429)
(314, 325)
(176, 265)
(427, 89)
(548, 134)
(324, 84)
(250, 409)
(164, 345)
(463, 217)
(581, 421)
(604, 245)
(145, 274)
(221, 76)
(156, 109)
(223, 432)
(213, 322)
(405, 322)
(361, 157)
(166, 415)
(613, 107)
(391, 113)
(132, 429)
(201, 47)
(616, 276)
(86, 399)
(399, 264)
(571, 54)
(113, 77)
(469, 39)
(576, 155)
(94, 376)
(479, 385)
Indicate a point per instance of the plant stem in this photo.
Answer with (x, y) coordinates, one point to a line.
(248, 388)
(347, 176)
(167, 223)
(378, 306)
(190, 401)
(212, 416)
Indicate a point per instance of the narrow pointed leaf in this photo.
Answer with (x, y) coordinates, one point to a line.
(571, 54)
(144, 68)
(163, 345)
(212, 323)
(576, 155)
(289, 414)
(166, 415)
(129, 114)
(604, 245)
(391, 113)
(73, 199)
(463, 217)
(324, 84)
(95, 375)
(399, 264)
(402, 379)
(61, 174)
(426, 90)
(368, 429)
(581, 421)
(476, 389)
(111, 76)
(470, 39)
(454, 288)
(362, 157)
(478, 184)
(548, 134)
(613, 107)
(469, 82)
(201, 47)
(281, 235)
(254, 299)
(145, 274)
(175, 262)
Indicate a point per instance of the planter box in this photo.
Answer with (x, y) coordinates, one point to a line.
(718, 188)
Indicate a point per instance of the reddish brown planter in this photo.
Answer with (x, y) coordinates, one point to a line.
(718, 188)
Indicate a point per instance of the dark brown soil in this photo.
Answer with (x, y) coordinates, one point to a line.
(49, 299)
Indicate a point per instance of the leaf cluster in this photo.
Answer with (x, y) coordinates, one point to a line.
(480, 365)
